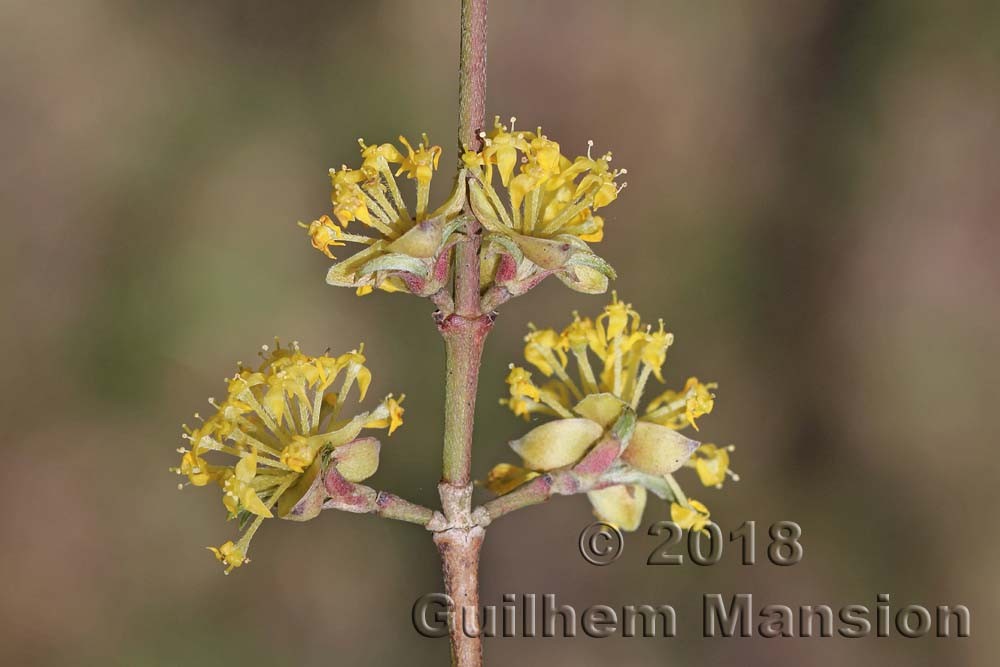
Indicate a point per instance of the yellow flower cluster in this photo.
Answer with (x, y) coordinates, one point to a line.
(548, 216)
(279, 423)
(548, 194)
(401, 257)
(627, 354)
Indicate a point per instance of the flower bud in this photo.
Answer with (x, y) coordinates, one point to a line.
(584, 279)
(602, 408)
(620, 505)
(657, 450)
(304, 500)
(357, 460)
(557, 443)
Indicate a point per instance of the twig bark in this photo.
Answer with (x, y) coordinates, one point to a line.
(589, 474)
(471, 119)
(360, 499)
(464, 334)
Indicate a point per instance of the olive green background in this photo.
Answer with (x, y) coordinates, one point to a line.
(812, 207)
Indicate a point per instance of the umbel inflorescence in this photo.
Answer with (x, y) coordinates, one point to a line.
(278, 427)
(408, 253)
(536, 205)
(286, 442)
(626, 355)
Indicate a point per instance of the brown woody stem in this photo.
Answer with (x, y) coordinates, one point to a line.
(459, 549)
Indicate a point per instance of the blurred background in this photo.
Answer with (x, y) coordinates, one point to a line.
(812, 207)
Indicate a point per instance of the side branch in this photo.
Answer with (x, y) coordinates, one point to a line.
(594, 471)
(360, 499)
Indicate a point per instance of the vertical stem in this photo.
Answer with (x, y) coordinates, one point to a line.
(465, 331)
(471, 119)
(472, 73)
(463, 339)
(459, 551)
(464, 335)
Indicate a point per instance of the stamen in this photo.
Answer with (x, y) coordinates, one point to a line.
(590, 144)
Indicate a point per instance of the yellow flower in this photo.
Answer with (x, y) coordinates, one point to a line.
(230, 554)
(409, 250)
(274, 425)
(614, 356)
(196, 469)
(548, 216)
(395, 413)
(678, 409)
(392, 417)
(505, 477)
(693, 516)
(325, 234)
(712, 465)
(238, 491)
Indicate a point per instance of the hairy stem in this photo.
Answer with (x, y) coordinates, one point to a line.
(590, 474)
(360, 499)
(459, 551)
(463, 339)
(543, 487)
(471, 119)
(464, 334)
